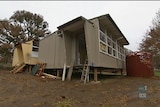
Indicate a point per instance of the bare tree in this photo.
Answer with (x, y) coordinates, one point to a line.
(151, 40)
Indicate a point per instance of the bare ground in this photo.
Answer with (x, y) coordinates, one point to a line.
(25, 90)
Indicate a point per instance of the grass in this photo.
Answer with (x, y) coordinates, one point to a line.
(157, 73)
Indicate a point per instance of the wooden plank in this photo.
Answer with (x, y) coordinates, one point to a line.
(51, 76)
(20, 68)
(41, 69)
(17, 68)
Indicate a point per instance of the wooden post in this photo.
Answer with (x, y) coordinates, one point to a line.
(58, 73)
(27, 68)
(30, 68)
(121, 71)
(95, 74)
(100, 71)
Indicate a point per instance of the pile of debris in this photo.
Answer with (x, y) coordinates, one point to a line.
(37, 70)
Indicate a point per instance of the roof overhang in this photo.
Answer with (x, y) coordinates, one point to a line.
(106, 20)
(111, 26)
(73, 25)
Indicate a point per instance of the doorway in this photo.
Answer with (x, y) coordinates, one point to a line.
(81, 49)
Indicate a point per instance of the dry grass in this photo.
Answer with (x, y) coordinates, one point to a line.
(6, 66)
(64, 103)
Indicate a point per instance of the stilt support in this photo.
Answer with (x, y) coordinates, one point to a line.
(30, 68)
(121, 71)
(95, 74)
(58, 73)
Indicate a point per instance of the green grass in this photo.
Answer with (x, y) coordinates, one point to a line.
(157, 73)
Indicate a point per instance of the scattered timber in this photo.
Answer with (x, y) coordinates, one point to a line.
(17, 69)
(51, 76)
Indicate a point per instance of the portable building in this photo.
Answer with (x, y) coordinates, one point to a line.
(26, 53)
(98, 40)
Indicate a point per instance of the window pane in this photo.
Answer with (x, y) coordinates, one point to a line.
(109, 50)
(34, 49)
(109, 42)
(102, 47)
(118, 48)
(114, 45)
(36, 43)
(114, 53)
(119, 55)
(102, 37)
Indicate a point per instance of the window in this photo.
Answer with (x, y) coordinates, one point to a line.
(121, 53)
(110, 47)
(102, 42)
(35, 46)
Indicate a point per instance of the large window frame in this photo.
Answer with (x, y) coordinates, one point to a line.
(110, 47)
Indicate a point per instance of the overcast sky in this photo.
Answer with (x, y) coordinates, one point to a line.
(132, 17)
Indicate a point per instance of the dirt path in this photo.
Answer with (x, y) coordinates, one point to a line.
(24, 90)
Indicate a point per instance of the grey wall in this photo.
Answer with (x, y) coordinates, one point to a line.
(91, 36)
(70, 47)
(51, 51)
(54, 48)
(99, 59)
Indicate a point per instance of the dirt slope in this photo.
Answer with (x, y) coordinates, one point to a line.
(25, 90)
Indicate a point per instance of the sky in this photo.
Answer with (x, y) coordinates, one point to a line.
(133, 18)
